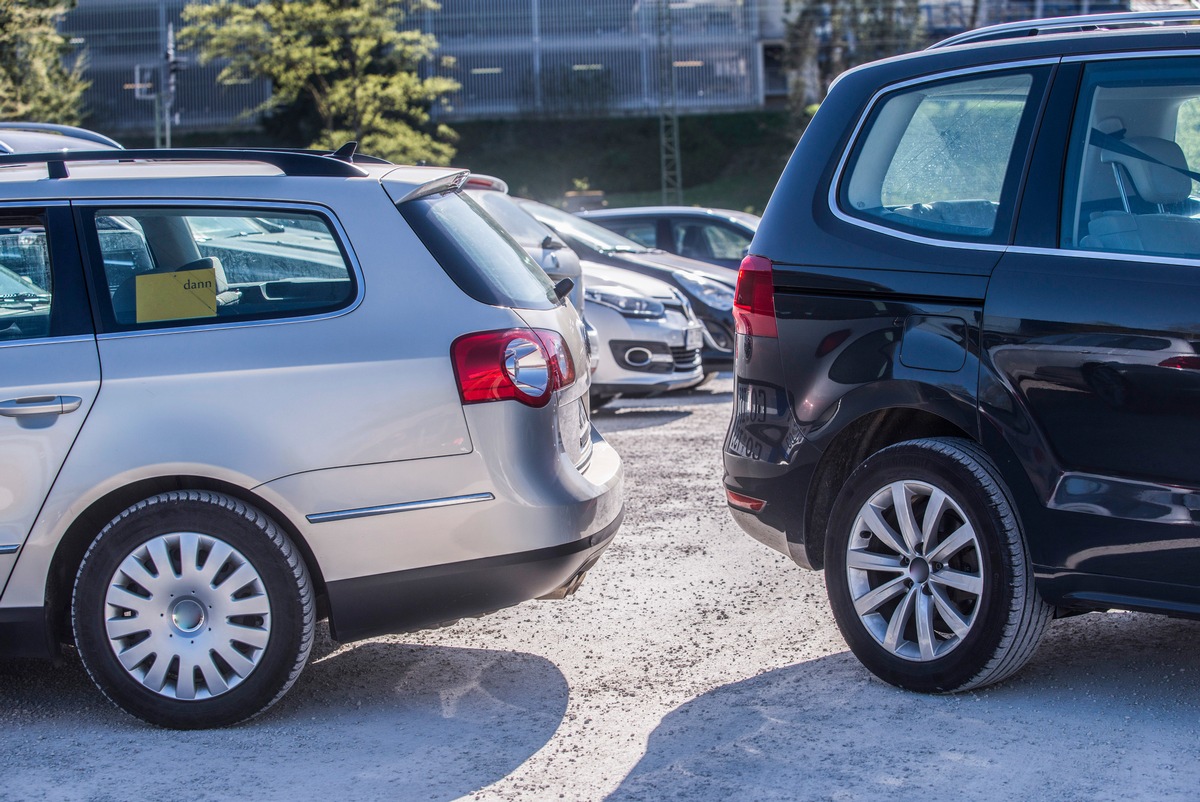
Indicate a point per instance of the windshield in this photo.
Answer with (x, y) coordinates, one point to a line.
(590, 234)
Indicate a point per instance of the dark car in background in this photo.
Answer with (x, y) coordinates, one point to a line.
(967, 331)
(716, 236)
(708, 288)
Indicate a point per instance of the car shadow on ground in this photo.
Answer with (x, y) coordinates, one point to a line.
(1122, 689)
(376, 720)
(643, 413)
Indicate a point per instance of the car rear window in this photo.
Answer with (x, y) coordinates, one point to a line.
(478, 255)
(941, 159)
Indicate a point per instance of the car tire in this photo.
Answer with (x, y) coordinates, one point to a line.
(927, 571)
(227, 603)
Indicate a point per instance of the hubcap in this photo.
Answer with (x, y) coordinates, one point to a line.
(187, 616)
(915, 572)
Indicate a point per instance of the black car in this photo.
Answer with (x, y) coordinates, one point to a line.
(967, 352)
(707, 287)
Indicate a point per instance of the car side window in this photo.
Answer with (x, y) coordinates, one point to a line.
(938, 159)
(171, 266)
(1131, 179)
(640, 231)
(709, 241)
(26, 290)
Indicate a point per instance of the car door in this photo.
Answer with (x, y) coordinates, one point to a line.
(1092, 336)
(49, 369)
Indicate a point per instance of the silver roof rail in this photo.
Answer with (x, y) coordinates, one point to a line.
(1081, 23)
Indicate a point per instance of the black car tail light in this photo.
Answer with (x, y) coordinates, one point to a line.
(754, 299)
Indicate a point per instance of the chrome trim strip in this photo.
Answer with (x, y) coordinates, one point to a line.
(248, 204)
(9, 549)
(70, 338)
(388, 509)
(1149, 259)
(31, 203)
(862, 120)
(1130, 55)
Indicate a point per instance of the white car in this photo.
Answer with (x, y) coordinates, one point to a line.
(241, 390)
(650, 339)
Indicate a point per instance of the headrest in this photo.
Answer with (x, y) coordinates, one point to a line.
(1155, 183)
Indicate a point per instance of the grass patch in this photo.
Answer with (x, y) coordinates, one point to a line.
(731, 161)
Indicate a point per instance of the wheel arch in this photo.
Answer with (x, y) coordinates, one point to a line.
(83, 530)
(855, 442)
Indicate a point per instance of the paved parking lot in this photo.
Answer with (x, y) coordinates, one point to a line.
(693, 664)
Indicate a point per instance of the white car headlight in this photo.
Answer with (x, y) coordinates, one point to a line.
(625, 302)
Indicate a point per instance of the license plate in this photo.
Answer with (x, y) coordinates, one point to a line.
(694, 339)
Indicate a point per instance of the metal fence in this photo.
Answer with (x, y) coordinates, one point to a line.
(117, 37)
(569, 58)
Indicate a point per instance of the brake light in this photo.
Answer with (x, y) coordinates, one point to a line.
(525, 365)
(754, 299)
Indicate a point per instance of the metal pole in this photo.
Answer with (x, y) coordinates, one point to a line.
(169, 98)
(535, 17)
(668, 113)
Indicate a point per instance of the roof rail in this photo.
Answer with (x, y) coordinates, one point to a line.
(1078, 24)
(64, 130)
(291, 162)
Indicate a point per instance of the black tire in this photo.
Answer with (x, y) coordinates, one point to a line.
(206, 612)
(952, 606)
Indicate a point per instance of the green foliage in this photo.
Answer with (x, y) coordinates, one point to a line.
(340, 70)
(36, 83)
(729, 160)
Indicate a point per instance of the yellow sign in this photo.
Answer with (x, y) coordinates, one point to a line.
(176, 296)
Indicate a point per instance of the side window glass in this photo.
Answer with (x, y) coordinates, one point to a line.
(937, 159)
(1131, 179)
(691, 240)
(726, 243)
(189, 266)
(25, 281)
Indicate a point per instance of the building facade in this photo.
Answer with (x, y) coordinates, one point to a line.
(513, 58)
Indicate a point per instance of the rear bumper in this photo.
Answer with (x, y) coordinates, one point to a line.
(403, 601)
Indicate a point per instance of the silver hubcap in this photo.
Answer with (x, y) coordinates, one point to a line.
(187, 615)
(915, 571)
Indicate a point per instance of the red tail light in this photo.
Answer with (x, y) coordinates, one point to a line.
(525, 365)
(754, 299)
(1181, 363)
(748, 503)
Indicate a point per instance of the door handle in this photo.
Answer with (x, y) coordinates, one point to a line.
(40, 405)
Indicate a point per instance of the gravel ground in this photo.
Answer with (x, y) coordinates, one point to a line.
(692, 664)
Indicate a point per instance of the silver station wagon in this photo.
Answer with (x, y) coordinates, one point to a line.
(241, 391)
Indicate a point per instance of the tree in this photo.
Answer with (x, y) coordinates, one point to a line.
(346, 66)
(827, 37)
(36, 81)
